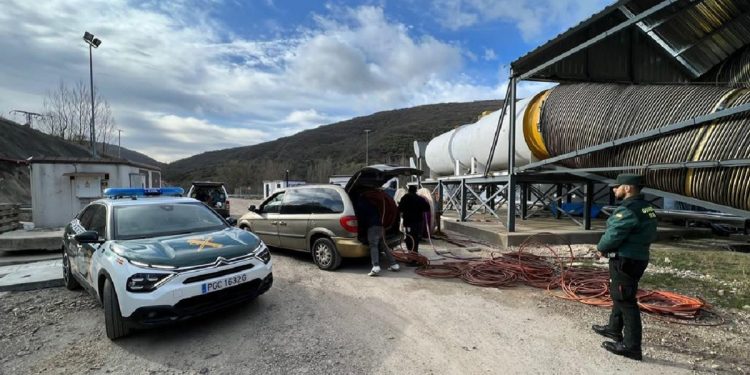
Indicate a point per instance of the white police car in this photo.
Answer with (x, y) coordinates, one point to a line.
(152, 257)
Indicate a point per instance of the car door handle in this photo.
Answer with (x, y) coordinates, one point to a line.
(282, 223)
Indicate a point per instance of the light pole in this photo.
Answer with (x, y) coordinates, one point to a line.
(367, 147)
(119, 145)
(93, 43)
(286, 179)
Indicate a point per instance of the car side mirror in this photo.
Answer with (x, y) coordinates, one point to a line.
(252, 208)
(232, 221)
(89, 236)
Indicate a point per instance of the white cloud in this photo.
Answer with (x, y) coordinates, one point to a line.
(533, 19)
(168, 137)
(299, 120)
(370, 54)
(181, 83)
(489, 54)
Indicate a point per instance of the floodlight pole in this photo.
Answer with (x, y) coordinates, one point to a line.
(119, 145)
(367, 147)
(91, 77)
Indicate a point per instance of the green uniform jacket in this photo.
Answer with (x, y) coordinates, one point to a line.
(630, 229)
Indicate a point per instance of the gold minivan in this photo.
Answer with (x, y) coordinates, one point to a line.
(320, 219)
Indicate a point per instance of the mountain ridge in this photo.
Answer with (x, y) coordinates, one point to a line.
(337, 148)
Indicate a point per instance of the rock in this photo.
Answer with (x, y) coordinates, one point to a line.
(667, 260)
(721, 292)
(211, 355)
(204, 371)
(746, 307)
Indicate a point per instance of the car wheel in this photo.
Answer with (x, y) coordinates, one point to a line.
(112, 317)
(325, 254)
(68, 279)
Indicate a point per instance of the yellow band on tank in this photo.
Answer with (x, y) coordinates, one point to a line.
(704, 134)
(531, 131)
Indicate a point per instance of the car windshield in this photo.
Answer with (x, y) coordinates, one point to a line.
(154, 220)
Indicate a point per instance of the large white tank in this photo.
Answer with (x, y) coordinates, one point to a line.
(474, 141)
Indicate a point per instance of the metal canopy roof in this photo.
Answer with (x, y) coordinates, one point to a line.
(643, 41)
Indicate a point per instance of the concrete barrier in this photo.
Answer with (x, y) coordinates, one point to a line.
(38, 239)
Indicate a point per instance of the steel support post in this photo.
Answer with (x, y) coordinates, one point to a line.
(558, 199)
(439, 206)
(568, 196)
(463, 199)
(524, 200)
(588, 198)
(491, 189)
(511, 226)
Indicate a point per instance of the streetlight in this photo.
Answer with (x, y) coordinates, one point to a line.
(93, 43)
(119, 147)
(286, 179)
(367, 147)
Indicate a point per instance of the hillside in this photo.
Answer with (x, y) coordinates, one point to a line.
(338, 148)
(20, 142)
(110, 150)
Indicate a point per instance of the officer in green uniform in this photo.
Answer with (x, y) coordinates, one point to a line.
(630, 230)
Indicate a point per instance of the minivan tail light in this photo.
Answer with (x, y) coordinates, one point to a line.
(349, 223)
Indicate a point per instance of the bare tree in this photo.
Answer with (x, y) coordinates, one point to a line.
(67, 113)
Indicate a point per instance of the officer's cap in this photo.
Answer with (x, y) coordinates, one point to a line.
(628, 179)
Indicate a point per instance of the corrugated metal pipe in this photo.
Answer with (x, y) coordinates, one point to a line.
(574, 116)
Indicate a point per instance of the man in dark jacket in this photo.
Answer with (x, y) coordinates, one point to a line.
(413, 208)
(630, 230)
(370, 223)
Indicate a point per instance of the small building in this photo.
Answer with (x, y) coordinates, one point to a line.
(342, 180)
(270, 187)
(60, 186)
(339, 179)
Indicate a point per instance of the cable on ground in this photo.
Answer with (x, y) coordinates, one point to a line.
(576, 282)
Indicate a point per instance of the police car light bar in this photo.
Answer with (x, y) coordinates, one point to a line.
(143, 192)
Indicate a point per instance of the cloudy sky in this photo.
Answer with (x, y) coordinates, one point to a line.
(185, 76)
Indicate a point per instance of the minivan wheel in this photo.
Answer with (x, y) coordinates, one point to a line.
(325, 254)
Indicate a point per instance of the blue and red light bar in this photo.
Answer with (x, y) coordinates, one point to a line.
(143, 192)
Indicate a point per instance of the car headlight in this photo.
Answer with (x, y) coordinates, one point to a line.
(146, 282)
(263, 254)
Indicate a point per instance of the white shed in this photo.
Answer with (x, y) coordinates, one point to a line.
(339, 179)
(60, 187)
(270, 187)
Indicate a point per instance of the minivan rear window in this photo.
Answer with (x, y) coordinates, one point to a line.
(312, 201)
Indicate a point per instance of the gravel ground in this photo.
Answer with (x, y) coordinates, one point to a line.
(343, 322)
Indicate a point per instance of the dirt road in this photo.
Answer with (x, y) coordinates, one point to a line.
(314, 322)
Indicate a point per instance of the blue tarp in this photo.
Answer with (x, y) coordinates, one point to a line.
(576, 209)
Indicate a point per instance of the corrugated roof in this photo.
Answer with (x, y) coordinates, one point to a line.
(69, 160)
(680, 42)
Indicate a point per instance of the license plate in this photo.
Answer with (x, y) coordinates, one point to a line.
(226, 282)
